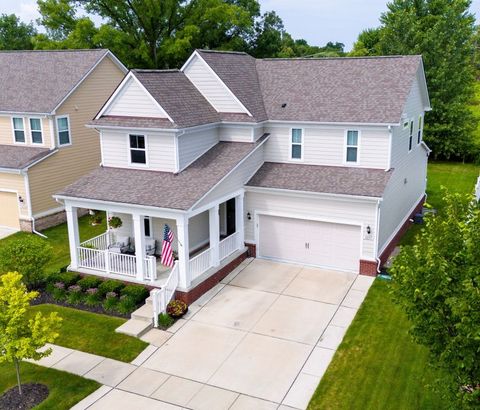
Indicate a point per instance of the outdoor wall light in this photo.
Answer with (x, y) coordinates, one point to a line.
(20, 199)
(369, 230)
(249, 216)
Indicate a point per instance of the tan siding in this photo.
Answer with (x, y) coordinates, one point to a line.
(71, 162)
(6, 132)
(15, 183)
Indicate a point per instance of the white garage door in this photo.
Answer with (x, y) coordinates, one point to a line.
(9, 210)
(329, 245)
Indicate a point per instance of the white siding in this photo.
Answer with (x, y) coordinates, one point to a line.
(236, 134)
(237, 179)
(133, 101)
(258, 132)
(331, 210)
(198, 231)
(326, 145)
(408, 182)
(194, 144)
(160, 150)
(212, 88)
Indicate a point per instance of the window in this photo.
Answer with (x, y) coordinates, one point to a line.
(138, 154)
(420, 127)
(63, 130)
(405, 125)
(297, 141)
(410, 140)
(147, 227)
(352, 146)
(36, 130)
(18, 130)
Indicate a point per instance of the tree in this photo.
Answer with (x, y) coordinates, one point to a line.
(20, 337)
(28, 256)
(15, 35)
(437, 281)
(268, 38)
(368, 43)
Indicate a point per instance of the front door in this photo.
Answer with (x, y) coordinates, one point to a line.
(231, 228)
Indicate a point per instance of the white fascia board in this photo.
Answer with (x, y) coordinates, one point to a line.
(112, 127)
(168, 213)
(323, 195)
(426, 147)
(197, 54)
(428, 107)
(23, 114)
(10, 171)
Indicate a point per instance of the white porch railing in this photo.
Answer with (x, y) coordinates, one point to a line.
(100, 242)
(228, 246)
(200, 264)
(117, 263)
(161, 297)
(477, 189)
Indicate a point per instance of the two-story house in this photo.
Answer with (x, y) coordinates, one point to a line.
(45, 100)
(316, 161)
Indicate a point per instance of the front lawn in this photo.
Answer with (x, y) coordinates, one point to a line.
(93, 333)
(65, 389)
(58, 239)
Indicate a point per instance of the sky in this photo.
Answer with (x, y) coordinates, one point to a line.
(317, 21)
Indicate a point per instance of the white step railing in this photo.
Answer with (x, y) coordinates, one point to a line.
(228, 246)
(100, 242)
(477, 189)
(200, 264)
(161, 297)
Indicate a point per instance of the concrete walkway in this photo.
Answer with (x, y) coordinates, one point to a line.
(261, 339)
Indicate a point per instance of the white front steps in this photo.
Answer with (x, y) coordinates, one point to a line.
(140, 323)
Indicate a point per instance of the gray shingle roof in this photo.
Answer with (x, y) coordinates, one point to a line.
(162, 189)
(19, 157)
(322, 179)
(37, 81)
(178, 97)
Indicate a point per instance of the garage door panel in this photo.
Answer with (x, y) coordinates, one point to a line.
(330, 245)
(9, 215)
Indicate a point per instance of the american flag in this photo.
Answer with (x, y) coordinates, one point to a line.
(167, 251)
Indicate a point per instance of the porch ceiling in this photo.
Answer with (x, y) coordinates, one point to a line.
(162, 189)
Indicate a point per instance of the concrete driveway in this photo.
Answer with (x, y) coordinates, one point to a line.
(262, 339)
(4, 232)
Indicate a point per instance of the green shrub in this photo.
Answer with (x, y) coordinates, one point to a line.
(110, 285)
(165, 321)
(89, 282)
(74, 295)
(58, 291)
(111, 301)
(27, 256)
(92, 297)
(126, 305)
(137, 292)
(68, 278)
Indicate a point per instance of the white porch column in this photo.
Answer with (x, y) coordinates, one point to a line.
(239, 219)
(183, 252)
(214, 229)
(73, 234)
(139, 234)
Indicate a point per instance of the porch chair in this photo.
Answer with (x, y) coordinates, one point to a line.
(121, 245)
(150, 246)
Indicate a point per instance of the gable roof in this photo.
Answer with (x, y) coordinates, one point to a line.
(38, 81)
(162, 189)
(20, 157)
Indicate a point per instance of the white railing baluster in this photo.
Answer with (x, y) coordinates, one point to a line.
(200, 264)
(161, 297)
(228, 245)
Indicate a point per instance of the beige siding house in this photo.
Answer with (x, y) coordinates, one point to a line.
(44, 144)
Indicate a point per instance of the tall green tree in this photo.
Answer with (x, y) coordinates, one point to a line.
(368, 43)
(437, 281)
(14, 34)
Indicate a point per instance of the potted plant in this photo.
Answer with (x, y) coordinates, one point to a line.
(114, 222)
(177, 308)
(95, 218)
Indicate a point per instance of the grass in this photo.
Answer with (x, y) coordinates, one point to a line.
(378, 366)
(58, 239)
(65, 389)
(93, 333)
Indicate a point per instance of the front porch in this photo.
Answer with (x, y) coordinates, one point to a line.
(202, 241)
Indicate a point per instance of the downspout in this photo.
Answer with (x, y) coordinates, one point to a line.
(377, 231)
(29, 202)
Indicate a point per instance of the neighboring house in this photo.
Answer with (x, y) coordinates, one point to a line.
(315, 161)
(45, 100)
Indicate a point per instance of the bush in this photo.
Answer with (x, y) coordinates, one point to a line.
(68, 278)
(111, 301)
(136, 292)
(27, 256)
(89, 282)
(177, 308)
(165, 321)
(126, 305)
(74, 295)
(58, 291)
(110, 285)
(92, 297)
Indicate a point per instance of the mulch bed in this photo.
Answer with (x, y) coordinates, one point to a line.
(32, 395)
(45, 297)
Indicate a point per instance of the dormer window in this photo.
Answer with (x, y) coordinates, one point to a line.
(297, 143)
(138, 152)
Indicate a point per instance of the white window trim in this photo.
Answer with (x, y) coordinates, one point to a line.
(13, 130)
(411, 134)
(150, 221)
(346, 146)
(136, 164)
(58, 131)
(41, 130)
(420, 129)
(291, 144)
